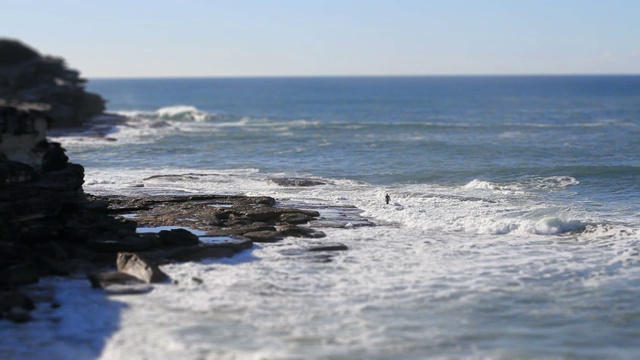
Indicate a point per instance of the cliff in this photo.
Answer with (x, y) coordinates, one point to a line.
(26, 76)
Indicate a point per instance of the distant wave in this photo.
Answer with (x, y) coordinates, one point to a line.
(174, 112)
(548, 183)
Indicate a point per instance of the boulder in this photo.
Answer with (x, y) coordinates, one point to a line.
(119, 283)
(15, 306)
(140, 267)
(178, 237)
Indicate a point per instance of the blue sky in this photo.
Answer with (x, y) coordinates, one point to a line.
(139, 38)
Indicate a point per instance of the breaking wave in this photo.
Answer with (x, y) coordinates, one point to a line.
(175, 113)
(540, 183)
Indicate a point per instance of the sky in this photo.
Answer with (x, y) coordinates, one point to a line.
(188, 38)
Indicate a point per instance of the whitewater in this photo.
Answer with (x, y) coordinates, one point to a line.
(512, 230)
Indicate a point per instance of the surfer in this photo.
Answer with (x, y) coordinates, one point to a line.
(387, 198)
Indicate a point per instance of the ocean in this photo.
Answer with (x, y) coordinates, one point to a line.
(512, 230)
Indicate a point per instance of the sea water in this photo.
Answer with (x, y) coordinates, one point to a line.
(512, 230)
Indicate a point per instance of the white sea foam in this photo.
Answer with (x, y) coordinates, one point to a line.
(546, 183)
(452, 252)
(488, 185)
(175, 112)
(505, 209)
(181, 112)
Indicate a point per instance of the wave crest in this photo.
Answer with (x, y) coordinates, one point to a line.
(541, 183)
(488, 185)
(183, 112)
(174, 112)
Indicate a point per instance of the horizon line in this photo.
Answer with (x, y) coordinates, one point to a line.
(170, 77)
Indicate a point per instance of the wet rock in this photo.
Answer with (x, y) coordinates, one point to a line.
(178, 237)
(240, 229)
(264, 236)
(119, 283)
(201, 253)
(321, 258)
(18, 315)
(271, 214)
(328, 247)
(299, 231)
(209, 251)
(15, 306)
(11, 299)
(297, 217)
(140, 267)
(152, 238)
(19, 274)
(293, 181)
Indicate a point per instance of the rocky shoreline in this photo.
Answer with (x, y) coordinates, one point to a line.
(50, 227)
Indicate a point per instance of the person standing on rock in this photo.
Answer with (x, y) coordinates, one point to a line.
(387, 198)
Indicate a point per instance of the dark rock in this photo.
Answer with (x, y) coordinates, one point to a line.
(152, 238)
(53, 250)
(264, 236)
(202, 252)
(18, 315)
(19, 274)
(54, 157)
(293, 181)
(296, 218)
(240, 229)
(52, 266)
(209, 251)
(179, 237)
(271, 214)
(12, 299)
(328, 247)
(12, 172)
(299, 231)
(140, 267)
(321, 258)
(119, 283)
(104, 279)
